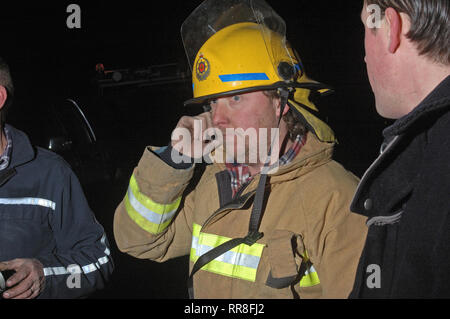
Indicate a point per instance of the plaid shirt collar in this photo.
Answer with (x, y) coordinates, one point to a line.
(6, 156)
(240, 173)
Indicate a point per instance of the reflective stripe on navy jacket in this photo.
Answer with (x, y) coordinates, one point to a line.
(44, 215)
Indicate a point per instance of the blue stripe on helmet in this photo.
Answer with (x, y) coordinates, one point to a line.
(244, 77)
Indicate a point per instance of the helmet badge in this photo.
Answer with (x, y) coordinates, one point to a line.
(203, 68)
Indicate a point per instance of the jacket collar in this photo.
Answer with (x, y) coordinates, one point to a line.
(436, 101)
(22, 150)
(313, 154)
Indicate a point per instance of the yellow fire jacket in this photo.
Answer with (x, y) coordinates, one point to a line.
(311, 244)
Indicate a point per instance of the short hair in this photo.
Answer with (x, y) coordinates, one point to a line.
(7, 83)
(430, 25)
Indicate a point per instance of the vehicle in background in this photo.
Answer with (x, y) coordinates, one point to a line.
(63, 128)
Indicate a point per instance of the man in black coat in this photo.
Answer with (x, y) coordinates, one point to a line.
(405, 193)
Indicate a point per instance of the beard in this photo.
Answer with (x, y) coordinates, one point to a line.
(248, 147)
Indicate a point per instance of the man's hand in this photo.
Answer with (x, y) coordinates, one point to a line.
(27, 282)
(193, 134)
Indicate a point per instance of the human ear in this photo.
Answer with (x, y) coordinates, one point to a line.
(278, 108)
(394, 21)
(3, 96)
(286, 109)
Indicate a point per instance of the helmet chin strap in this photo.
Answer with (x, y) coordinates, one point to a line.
(284, 96)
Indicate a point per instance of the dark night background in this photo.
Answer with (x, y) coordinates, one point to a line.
(50, 63)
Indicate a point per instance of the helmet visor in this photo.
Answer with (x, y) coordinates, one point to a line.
(214, 15)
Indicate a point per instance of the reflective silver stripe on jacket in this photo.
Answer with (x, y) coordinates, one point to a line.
(148, 214)
(28, 201)
(229, 257)
(76, 269)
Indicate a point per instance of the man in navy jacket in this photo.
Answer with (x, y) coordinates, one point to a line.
(405, 193)
(49, 237)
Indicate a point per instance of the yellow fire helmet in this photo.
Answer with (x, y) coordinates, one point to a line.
(239, 46)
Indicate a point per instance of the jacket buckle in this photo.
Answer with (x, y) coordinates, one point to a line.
(252, 237)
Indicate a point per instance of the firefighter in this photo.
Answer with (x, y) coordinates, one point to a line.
(275, 227)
